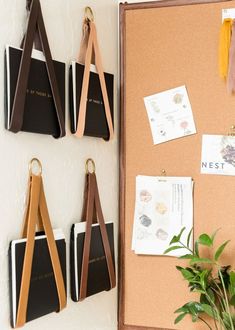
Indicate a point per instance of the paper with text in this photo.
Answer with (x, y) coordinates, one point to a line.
(218, 155)
(170, 115)
(163, 206)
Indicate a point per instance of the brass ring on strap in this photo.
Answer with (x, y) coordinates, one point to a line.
(89, 16)
(90, 162)
(32, 163)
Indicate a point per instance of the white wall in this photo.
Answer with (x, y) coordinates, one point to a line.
(63, 160)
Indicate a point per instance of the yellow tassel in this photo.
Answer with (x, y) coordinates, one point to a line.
(224, 45)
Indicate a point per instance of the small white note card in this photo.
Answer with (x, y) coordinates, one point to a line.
(163, 206)
(228, 13)
(218, 155)
(170, 115)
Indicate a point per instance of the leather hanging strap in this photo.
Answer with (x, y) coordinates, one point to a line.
(92, 43)
(92, 202)
(29, 248)
(84, 44)
(104, 235)
(35, 25)
(85, 198)
(53, 251)
(28, 4)
(37, 213)
(37, 42)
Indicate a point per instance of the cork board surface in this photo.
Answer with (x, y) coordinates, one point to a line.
(165, 48)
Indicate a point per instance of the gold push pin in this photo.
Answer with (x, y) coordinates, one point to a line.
(163, 172)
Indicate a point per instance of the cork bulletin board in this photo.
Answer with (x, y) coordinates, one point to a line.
(164, 45)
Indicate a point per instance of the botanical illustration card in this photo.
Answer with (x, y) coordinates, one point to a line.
(218, 155)
(163, 206)
(170, 115)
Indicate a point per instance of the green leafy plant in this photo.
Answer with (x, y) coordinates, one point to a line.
(214, 282)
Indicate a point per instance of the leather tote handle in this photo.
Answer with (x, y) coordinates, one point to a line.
(92, 43)
(37, 42)
(37, 213)
(84, 44)
(35, 24)
(92, 202)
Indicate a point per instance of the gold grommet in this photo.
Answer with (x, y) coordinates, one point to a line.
(31, 165)
(89, 16)
(90, 161)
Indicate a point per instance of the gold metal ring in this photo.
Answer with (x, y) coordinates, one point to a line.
(90, 161)
(89, 16)
(31, 166)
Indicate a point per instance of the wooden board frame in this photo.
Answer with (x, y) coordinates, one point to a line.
(124, 7)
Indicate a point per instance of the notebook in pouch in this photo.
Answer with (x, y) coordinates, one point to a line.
(40, 112)
(96, 122)
(43, 298)
(98, 276)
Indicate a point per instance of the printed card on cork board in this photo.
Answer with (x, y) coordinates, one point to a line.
(164, 45)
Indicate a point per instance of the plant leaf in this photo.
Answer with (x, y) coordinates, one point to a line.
(192, 308)
(201, 260)
(172, 248)
(199, 291)
(220, 250)
(196, 249)
(232, 301)
(180, 317)
(176, 238)
(203, 278)
(187, 274)
(214, 234)
(209, 311)
(204, 299)
(211, 295)
(182, 309)
(189, 236)
(226, 320)
(205, 239)
(194, 318)
(197, 307)
(186, 256)
(232, 283)
(232, 278)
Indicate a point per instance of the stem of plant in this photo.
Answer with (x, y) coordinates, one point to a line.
(200, 318)
(191, 251)
(220, 296)
(226, 299)
(214, 310)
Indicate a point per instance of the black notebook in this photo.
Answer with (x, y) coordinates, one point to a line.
(43, 297)
(96, 123)
(98, 276)
(40, 112)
